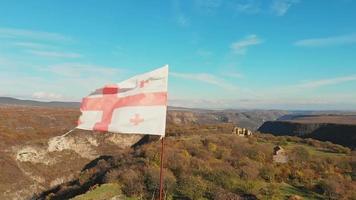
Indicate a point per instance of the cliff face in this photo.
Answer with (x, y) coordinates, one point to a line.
(344, 134)
(246, 119)
(33, 156)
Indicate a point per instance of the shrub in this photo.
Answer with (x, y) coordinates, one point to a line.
(345, 166)
(223, 153)
(249, 172)
(212, 147)
(221, 194)
(282, 142)
(132, 183)
(192, 187)
(300, 154)
(112, 176)
(267, 173)
(282, 173)
(255, 154)
(178, 162)
(252, 140)
(330, 188)
(271, 192)
(340, 149)
(353, 165)
(152, 175)
(312, 142)
(249, 187)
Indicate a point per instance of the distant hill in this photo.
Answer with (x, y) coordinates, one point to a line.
(251, 119)
(14, 101)
(339, 129)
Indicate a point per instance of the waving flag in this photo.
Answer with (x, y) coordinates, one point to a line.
(136, 105)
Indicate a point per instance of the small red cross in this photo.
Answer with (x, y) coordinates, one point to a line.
(136, 120)
(143, 83)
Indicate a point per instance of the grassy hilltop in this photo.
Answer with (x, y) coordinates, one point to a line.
(203, 160)
(212, 165)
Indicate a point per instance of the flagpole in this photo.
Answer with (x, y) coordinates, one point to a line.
(161, 171)
(65, 134)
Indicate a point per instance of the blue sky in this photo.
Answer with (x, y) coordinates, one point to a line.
(269, 54)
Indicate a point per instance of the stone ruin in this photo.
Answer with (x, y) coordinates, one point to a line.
(241, 131)
(279, 155)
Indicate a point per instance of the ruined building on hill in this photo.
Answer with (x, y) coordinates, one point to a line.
(241, 131)
(279, 155)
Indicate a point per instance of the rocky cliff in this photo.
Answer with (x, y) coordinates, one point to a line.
(340, 129)
(251, 119)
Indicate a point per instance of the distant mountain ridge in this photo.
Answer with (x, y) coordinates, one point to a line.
(65, 104)
(251, 119)
(14, 101)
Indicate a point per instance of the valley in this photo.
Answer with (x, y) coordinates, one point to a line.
(203, 159)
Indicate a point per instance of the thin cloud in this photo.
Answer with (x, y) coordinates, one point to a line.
(31, 45)
(248, 7)
(326, 82)
(234, 75)
(31, 34)
(304, 103)
(46, 95)
(206, 78)
(180, 17)
(280, 7)
(208, 6)
(80, 78)
(248, 103)
(241, 46)
(182, 20)
(54, 54)
(204, 53)
(328, 41)
(75, 70)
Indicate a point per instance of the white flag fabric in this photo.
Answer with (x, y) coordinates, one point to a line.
(136, 105)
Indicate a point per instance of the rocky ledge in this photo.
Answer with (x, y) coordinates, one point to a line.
(336, 129)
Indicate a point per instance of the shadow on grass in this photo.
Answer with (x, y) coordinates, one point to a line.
(289, 190)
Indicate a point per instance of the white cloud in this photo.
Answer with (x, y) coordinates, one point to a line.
(326, 82)
(54, 54)
(280, 7)
(46, 96)
(328, 41)
(31, 34)
(206, 78)
(241, 46)
(82, 70)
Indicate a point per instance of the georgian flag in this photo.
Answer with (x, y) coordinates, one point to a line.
(136, 105)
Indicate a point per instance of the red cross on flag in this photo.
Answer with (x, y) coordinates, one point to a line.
(136, 105)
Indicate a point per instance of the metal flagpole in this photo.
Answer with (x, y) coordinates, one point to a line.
(161, 171)
(65, 134)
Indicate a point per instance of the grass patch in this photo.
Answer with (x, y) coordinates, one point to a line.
(288, 190)
(103, 192)
(313, 150)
